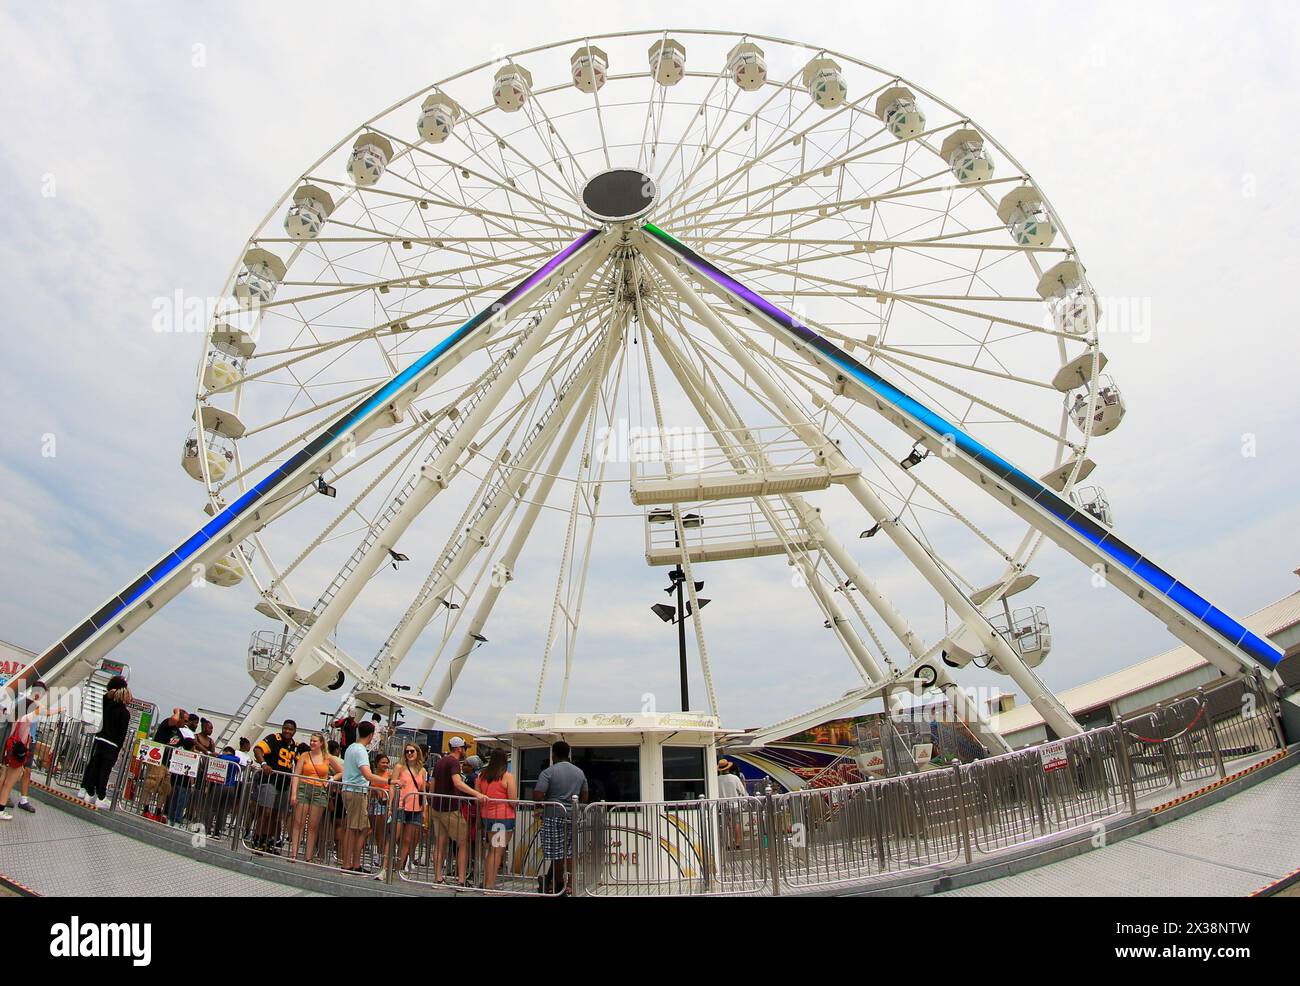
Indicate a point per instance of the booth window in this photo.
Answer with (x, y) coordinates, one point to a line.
(684, 773)
(613, 772)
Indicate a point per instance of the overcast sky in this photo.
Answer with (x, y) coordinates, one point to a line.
(129, 172)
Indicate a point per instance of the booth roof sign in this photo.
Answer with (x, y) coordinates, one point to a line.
(606, 721)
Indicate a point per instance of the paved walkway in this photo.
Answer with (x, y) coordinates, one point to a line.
(58, 855)
(1229, 849)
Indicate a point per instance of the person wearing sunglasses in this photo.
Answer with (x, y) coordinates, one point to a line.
(409, 778)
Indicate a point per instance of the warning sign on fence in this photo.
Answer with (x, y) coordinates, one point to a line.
(186, 762)
(1054, 757)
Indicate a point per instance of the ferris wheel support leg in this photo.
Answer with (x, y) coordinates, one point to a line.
(434, 478)
(721, 417)
(1052, 711)
(510, 557)
(898, 625)
(417, 618)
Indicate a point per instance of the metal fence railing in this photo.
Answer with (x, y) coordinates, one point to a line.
(765, 843)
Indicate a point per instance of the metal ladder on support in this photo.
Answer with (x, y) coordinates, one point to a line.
(457, 541)
(376, 528)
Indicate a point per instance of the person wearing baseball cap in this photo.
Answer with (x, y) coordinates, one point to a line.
(449, 790)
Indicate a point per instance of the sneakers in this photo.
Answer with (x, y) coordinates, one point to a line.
(6, 815)
(84, 795)
(27, 806)
(102, 804)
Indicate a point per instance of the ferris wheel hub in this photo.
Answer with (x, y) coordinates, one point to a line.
(620, 195)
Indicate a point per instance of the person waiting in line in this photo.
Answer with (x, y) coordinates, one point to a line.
(334, 806)
(470, 768)
(558, 785)
(108, 741)
(498, 812)
(731, 786)
(276, 755)
(182, 786)
(223, 797)
(379, 792)
(309, 794)
(357, 778)
(204, 742)
(157, 786)
(448, 821)
(348, 726)
(409, 779)
(20, 747)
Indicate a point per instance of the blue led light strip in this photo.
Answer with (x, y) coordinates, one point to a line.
(1180, 596)
(277, 478)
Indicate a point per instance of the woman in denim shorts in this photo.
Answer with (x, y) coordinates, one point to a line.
(409, 779)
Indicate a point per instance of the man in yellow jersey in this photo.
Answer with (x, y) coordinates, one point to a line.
(276, 755)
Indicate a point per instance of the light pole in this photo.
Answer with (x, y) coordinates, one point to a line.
(678, 614)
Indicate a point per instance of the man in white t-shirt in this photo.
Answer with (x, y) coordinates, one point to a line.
(731, 786)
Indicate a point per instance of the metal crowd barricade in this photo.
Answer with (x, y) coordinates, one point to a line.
(202, 801)
(673, 847)
(503, 842)
(759, 844)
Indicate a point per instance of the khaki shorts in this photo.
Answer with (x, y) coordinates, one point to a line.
(452, 824)
(157, 781)
(354, 810)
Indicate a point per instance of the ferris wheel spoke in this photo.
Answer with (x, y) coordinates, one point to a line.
(792, 180)
(723, 185)
(713, 146)
(426, 196)
(496, 140)
(661, 175)
(507, 184)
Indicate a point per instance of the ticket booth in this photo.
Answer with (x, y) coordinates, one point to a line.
(643, 825)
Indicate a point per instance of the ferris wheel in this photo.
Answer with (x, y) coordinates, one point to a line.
(710, 296)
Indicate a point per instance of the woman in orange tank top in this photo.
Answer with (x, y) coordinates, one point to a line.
(308, 793)
(498, 812)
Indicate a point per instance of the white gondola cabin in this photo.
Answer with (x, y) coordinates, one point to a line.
(824, 80)
(369, 159)
(588, 67)
(259, 278)
(1026, 217)
(511, 86)
(229, 355)
(1092, 501)
(217, 450)
(1106, 407)
(1028, 631)
(438, 116)
(668, 61)
(898, 111)
(967, 156)
(747, 66)
(307, 214)
(1070, 298)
